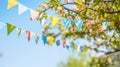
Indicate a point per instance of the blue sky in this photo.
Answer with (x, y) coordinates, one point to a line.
(18, 52)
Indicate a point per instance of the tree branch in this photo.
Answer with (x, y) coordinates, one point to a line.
(110, 12)
(106, 53)
(118, 11)
(57, 35)
(71, 10)
(56, 5)
(118, 50)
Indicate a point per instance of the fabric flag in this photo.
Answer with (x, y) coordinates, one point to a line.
(10, 28)
(20, 31)
(34, 14)
(29, 35)
(22, 9)
(105, 25)
(86, 49)
(2, 25)
(67, 23)
(36, 38)
(11, 3)
(44, 38)
(51, 40)
(67, 46)
(64, 43)
(58, 42)
(78, 48)
(78, 23)
(81, 48)
(54, 20)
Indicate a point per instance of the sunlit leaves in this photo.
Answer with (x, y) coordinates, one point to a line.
(94, 15)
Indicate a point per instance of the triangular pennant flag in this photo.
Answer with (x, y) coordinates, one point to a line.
(37, 38)
(67, 46)
(29, 35)
(2, 25)
(81, 48)
(22, 9)
(78, 48)
(78, 23)
(51, 40)
(67, 23)
(54, 20)
(86, 49)
(20, 31)
(10, 28)
(12, 3)
(64, 43)
(34, 14)
(44, 38)
(58, 42)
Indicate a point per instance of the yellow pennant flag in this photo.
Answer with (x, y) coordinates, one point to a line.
(86, 49)
(51, 40)
(54, 20)
(12, 3)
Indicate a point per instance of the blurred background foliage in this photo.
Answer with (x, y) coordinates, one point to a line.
(94, 13)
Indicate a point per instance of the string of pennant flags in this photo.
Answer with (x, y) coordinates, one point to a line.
(34, 14)
(45, 39)
(29, 34)
(54, 20)
(11, 27)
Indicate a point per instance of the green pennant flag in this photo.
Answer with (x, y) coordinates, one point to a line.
(10, 28)
(37, 38)
(19, 30)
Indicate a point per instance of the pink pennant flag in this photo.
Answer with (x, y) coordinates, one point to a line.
(29, 35)
(34, 14)
(64, 43)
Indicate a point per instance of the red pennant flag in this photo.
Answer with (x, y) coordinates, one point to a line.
(64, 43)
(28, 33)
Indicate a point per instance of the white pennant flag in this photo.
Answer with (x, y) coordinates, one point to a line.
(34, 14)
(19, 31)
(22, 9)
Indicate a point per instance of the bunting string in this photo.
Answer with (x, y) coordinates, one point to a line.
(29, 35)
(54, 21)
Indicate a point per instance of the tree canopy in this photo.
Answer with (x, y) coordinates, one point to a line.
(101, 24)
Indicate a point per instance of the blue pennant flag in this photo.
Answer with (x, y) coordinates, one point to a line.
(81, 48)
(78, 23)
(36, 38)
(67, 46)
(44, 38)
(58, 42)
(67, 23)
(105, 25)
